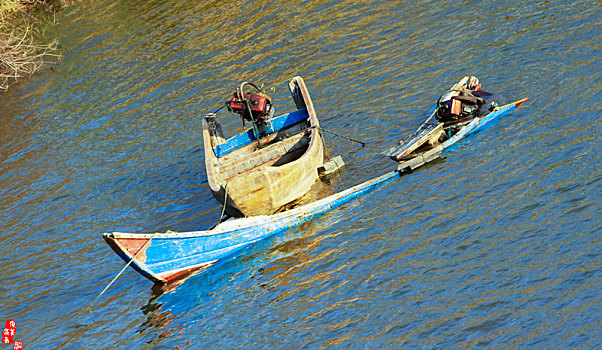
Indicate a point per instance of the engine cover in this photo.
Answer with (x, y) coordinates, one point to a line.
(259, 103)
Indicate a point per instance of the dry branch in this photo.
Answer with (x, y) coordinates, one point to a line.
(21, 50)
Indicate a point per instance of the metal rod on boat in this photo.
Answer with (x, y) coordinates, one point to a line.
(114, 279)
(343, 136)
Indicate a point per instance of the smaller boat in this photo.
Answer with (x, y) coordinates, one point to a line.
(462, 110)
(270, 164)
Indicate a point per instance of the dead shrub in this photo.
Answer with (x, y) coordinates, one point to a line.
(24, 47)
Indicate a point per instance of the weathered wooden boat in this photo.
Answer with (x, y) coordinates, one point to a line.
(433, 136)
(171, 256)
(269, 165)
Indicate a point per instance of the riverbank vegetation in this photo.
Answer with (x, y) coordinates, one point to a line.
(24, 45)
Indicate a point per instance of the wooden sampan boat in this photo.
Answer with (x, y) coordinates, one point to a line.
(264, 168)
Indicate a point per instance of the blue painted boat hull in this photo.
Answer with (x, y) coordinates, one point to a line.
(166, 257)
(472, 127)
(171, 256)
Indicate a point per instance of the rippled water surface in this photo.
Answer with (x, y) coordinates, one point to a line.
(497, 246)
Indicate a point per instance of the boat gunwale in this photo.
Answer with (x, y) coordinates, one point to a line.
(254, 221)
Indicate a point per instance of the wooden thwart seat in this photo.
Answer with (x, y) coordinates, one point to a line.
(266, 156)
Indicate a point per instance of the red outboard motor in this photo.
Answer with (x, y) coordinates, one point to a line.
(254, 106)
(461, 101)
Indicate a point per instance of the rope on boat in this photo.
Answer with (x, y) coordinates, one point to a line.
(222, 107)
(342, 136)
(114, 279)
(224, 207)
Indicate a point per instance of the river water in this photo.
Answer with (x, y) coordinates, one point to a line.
(497, 246)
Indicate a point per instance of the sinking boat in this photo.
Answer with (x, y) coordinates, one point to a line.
(272, 163)
(170, 257)
(447, 123)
